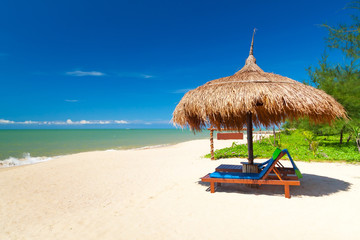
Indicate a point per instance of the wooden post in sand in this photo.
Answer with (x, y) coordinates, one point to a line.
(274, 135)
(249, 137)
(250, 167)
(212, 144)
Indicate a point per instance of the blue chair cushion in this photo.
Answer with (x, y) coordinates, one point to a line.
(230, 167)
(235, 175)
(266, 168)
(238, 175)
(297, 171)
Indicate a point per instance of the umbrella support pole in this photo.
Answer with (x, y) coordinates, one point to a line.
(250, 168)
(249, 137)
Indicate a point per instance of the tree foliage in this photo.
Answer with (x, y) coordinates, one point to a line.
(341, 80)
(346, 36)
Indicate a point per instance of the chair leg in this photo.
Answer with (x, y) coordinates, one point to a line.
(212, 187)
(287, 191)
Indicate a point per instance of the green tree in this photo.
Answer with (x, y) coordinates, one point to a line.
(342, 81)
(345, 37)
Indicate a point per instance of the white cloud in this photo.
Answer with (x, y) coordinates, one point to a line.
(185, 90)
(56, 123)
(121, 122)
(29, 122)
(104, 122)
(82, 73)
(147, 76)
(134, 75)
(151, 122)
(3, 121)
(83, 122)
(69, 100)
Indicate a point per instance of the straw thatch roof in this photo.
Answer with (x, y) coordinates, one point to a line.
(271, 98)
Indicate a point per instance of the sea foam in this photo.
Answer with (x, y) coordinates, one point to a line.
(26, 159)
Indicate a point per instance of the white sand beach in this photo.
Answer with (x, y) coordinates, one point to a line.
(156, 194)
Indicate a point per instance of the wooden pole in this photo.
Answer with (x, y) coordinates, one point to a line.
(274, 135)
(249, 137)
(212, 144)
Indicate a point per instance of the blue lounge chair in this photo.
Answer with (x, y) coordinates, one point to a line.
(282, 169)
(270, 175)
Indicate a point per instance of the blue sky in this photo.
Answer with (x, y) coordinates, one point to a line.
(128, 63)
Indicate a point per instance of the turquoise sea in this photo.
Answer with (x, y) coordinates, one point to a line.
(34, 143)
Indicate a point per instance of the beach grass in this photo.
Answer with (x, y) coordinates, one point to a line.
(302, 145)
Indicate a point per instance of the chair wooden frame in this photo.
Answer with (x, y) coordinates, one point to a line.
(274, 176)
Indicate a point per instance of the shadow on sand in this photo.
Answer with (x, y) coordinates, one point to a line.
(311, 185)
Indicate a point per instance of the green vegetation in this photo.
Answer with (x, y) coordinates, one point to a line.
(340, 80)
(303, 146)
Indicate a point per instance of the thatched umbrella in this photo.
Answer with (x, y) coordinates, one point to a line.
(252, 96)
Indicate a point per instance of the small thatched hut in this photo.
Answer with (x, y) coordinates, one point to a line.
(252, 96)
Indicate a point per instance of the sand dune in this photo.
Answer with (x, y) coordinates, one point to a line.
(156, 194)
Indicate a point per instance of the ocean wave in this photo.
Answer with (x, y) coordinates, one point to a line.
(151, 146)
(28, 159)
(137, 148)
(25, 160)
